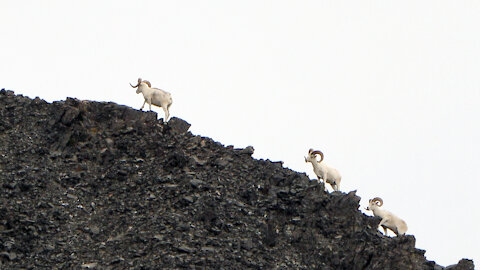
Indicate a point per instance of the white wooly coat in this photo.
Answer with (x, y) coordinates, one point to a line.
(389, 220)
(323, 171)
(154, 96)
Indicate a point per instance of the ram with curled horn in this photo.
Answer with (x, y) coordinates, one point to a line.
(378, 201)
(323, 171)
(154, 96)
(389, 220)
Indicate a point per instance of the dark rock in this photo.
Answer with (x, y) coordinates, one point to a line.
(89, 265)
(249, 150)
(221, 162)
(70, 115)
(463, 264)
(208, 249)
(8, 255)
(178, 125)
(185, 249)
(188, 199)
(94, 229)
(248, 244)
(96, 185)
(197, 183)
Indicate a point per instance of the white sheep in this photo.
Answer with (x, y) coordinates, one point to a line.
(323, 171)
(154, 96)
(389, 220)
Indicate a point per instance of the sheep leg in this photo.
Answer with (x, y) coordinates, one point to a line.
(143, 105)
(385, 230)
(384, 220)
(334, 185)
(322, 181)
(325, 181)
(150, 104)
(165, 110)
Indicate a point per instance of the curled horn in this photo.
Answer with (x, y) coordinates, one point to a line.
(139, 81)
(148, 83)
(378, 201)
(315, 152)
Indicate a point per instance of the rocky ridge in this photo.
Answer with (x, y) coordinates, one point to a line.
(95, 185)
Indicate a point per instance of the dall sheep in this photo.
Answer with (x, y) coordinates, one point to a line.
(154, 96)
(389, 220)
(323, 171)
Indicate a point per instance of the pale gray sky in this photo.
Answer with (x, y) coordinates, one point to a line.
(388, 90)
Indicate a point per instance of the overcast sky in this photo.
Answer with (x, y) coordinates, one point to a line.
(388, 90)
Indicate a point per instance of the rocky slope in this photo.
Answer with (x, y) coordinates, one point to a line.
(90, 185)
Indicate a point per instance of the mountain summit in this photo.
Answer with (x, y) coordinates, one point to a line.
(95, 185)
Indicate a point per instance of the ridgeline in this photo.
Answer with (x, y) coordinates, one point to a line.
(95, 185)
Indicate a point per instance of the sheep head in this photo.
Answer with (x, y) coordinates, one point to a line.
(312, 155)
(375, 202)
(140, 81)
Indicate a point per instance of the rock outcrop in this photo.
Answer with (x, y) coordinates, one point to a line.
(91, 185)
